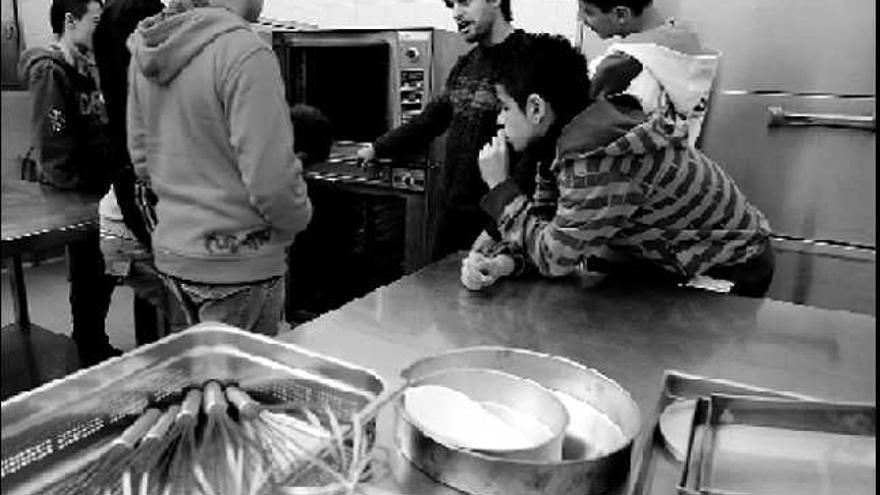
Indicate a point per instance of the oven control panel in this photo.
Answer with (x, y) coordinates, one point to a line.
(412, 93)
(412, 179)
(414, 63)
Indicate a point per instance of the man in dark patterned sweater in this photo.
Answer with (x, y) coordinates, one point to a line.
(468, 108)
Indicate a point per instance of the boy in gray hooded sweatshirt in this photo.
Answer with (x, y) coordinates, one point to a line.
(208, 127)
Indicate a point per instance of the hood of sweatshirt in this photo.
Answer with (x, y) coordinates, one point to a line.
(599, 125)
(164, 44)
(673, 55)
(33, 58)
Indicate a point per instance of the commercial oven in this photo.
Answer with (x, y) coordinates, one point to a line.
(367, 82)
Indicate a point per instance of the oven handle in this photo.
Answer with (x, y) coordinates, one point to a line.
(778, 117)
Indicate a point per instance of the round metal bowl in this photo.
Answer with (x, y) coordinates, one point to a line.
(514, 392)
(580, 472)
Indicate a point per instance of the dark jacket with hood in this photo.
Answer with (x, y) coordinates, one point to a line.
(118, 20)
(68, 121)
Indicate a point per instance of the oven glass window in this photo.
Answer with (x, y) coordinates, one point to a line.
(348, 83)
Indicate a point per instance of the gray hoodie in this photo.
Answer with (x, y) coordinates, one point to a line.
(209, 127)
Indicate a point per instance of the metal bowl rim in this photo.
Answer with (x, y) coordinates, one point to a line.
(402, 414)
(519, 350)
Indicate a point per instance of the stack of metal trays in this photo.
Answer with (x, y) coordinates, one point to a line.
(722, 437)
(759, 445)
(57, 427)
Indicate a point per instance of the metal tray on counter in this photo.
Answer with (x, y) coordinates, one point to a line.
(654, 452)
(56, 427)
(761, 445)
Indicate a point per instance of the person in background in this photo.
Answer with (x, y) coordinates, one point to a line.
(230, 191)
(316, 285)
(125, 238)
(657, 60)
(68, 132)
(313, 133)
(130, 261)
(624, 187)
(467, 108)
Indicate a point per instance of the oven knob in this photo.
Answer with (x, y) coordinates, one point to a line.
(412, 53)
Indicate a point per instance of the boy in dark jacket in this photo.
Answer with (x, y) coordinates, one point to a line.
(73, 153)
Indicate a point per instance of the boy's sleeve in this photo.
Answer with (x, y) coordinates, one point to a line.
(419, 131)
(50, 120)
(591, 208)
(262, 136)
(542, 205)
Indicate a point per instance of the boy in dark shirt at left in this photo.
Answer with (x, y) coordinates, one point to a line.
(73, 153)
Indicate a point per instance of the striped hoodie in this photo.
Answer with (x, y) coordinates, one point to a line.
(630, 184)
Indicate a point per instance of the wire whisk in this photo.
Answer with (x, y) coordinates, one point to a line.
(227, 459)
(202, 446)
(304, 455)
(92, 478)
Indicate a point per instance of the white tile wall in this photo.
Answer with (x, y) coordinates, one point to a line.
(557, 16)
(34, 18)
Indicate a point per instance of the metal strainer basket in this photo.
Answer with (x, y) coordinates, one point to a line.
(57, 427)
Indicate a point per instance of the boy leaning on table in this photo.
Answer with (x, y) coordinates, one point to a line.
(618, 190)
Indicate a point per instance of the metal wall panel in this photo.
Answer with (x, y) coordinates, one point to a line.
(831, 277)
(10, 43)
(791, 45)
(811, 182)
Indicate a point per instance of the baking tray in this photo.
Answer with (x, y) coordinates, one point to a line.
(57, 427)
(653, 458)
(760, 445)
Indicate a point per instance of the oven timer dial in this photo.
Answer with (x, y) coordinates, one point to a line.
(412, 53)
(407, 178)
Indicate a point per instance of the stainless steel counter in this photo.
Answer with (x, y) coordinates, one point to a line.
(629, 333)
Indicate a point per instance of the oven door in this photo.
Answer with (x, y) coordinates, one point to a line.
(351, 76)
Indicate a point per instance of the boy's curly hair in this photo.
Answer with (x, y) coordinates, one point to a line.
(312, 133)
(549, 66)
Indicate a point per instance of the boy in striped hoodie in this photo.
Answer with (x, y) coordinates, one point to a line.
(618, 184)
